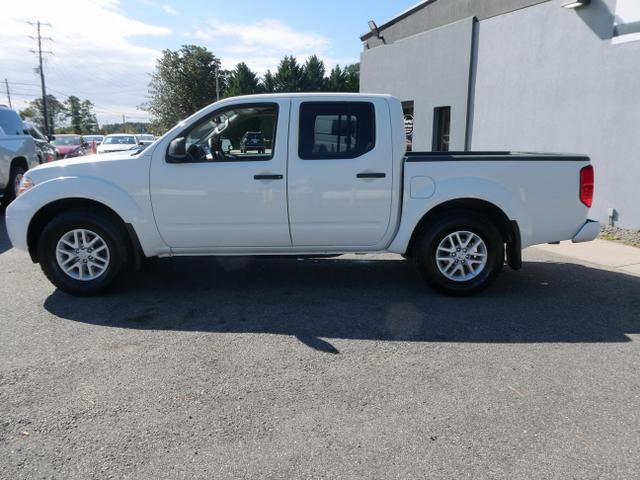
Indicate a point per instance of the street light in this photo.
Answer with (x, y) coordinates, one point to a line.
(373, 27)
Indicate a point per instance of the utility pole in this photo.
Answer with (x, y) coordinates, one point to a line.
(124, 124)
(217, 83)
(6, 84)
(41, 70)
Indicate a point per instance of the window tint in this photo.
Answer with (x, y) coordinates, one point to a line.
(240, 133)
(441, 129)
(339, 130)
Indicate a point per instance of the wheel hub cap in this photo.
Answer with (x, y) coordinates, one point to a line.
(82, 254)
(461, 256)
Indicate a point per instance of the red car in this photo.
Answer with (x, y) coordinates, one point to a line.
(66, 144)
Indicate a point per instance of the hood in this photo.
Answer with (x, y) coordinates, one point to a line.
(107, 167)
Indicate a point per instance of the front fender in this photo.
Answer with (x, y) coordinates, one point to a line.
(133, 208)
(458, 188)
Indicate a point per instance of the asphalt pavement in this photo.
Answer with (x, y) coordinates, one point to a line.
(329, 368)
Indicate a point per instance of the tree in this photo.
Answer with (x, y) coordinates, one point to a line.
(337, 80)
(73, 113)
(289, 77)
(34, 112)
(242, 81)
(184, 81)
(268, 82)
(314, 75)
(352, 78)
(89, 120)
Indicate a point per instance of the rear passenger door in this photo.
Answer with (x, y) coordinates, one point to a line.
(340, 172)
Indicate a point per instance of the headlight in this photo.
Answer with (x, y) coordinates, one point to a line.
(25, 184)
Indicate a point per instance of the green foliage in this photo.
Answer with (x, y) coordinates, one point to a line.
(268, 82)
(314, 75)
(183, 82)
(242, 81)
(290, 76)
(352, 78)
(55, 111)
(80, 115)
(337, 81)
(131, 127)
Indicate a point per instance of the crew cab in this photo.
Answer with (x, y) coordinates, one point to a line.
(335, 179)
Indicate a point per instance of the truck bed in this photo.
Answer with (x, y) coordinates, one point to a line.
(493, 156)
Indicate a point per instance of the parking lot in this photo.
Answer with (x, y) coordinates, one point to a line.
(327, 368)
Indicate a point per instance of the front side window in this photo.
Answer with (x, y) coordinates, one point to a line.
(336, 130)
(241, 133)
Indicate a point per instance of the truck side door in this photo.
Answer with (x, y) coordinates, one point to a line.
(340, 172)
(225, 193)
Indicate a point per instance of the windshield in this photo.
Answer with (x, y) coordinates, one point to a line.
(146, 137)
(121, 140)
(67, 141)
(91, 138)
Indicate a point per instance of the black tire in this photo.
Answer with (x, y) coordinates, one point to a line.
(11, 191)
(426, 249)
(110, 230)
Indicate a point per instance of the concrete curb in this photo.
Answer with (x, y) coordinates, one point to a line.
(612, 255)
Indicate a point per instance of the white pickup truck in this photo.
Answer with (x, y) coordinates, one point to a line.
(330, 176)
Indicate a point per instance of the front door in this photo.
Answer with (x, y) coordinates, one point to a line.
(230, 189)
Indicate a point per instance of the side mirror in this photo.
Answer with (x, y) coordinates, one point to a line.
(177, 150)
(52, 138)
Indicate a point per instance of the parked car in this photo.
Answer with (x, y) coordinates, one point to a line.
(118, 142)
(457, 215)
(253, 141)
(17, 153)
(46, 151)
(146, 139)
(91, 139)
(70, 144)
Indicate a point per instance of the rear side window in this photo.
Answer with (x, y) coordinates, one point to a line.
(10, 122)
(336, 130)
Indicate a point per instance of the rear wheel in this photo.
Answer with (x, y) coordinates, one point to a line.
(82, 252)
(460, 254)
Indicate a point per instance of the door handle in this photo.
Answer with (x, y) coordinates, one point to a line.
(371, 175)
(268, 177)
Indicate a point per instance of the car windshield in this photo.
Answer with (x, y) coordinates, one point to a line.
(121, 140)
(66, 141)
(146, 137)
(91, 138)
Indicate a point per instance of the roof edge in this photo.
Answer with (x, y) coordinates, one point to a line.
(402, 15)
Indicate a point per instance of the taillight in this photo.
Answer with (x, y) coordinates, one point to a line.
(586, 185)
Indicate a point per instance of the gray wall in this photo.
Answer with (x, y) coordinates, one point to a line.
(436, 13)
(430, 68)
(550, 79)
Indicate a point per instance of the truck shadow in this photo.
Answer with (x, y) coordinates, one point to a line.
(317, 300)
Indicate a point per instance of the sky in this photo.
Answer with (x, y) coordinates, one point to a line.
(104, 50)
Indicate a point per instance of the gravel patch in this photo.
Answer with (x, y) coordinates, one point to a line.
(628, 237)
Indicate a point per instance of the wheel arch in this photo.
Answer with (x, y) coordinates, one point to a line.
(509, 229)
(20, 162)
(44, 215)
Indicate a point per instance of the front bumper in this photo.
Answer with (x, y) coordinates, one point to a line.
(589, 231)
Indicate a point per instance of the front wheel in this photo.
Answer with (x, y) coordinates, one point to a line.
(82, 252)
(460, 254)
